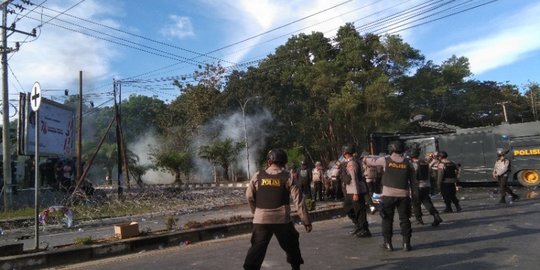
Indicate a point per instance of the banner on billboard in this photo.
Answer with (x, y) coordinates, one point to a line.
(56, 127)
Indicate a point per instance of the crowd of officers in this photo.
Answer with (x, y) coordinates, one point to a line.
(403, 180)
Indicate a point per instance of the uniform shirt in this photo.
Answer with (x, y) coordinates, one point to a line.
(334, 173)
(386, 190)
(318, 175)
(355, 186)
(501, 167)
(282, 214)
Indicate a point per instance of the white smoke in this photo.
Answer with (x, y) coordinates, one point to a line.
(220, 128)
(232, 127)
(143, 147)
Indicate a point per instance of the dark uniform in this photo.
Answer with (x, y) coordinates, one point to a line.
(354, 203)
(447, 180)
(397, 185)
(268, 195)
(421, 168)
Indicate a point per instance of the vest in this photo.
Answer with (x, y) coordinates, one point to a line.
(422, 171)
(272, 190)
(396, 174)
(345, 176)
(450, 170)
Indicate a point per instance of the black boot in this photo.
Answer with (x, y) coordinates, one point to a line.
(295, 266)
(502, 200)
(448, 209)
(458, 207)
(515, 197)
(436, 220)
(419, 220)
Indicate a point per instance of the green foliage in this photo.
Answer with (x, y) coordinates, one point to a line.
(321, 93)
(170, 222)
(83, 241)
(222, 153)
(176, 162)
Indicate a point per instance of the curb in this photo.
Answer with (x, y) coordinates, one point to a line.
(71, 255)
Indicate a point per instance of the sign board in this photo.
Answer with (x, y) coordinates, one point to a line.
(56, 128)
(35, 97)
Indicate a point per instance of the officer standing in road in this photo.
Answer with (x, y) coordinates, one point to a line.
(397, 185)
(421, 169)
(268, 195)
(501, 170)
(354, 203)
(448, 181)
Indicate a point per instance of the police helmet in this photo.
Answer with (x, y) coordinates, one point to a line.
(501, 151)
(395, 147)
(278, 156)
(348, 149)
(442, 154)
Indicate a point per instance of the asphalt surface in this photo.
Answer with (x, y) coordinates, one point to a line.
(485, 235)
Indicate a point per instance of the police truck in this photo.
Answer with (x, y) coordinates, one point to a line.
(475, 149)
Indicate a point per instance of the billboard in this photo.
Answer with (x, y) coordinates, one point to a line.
(56, 127)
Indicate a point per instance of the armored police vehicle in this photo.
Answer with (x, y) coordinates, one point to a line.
(475, 149)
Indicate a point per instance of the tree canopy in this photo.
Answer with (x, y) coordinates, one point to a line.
(322, 93)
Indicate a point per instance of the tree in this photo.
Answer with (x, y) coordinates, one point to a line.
(221, 153)
(141, 114)
(176, 162)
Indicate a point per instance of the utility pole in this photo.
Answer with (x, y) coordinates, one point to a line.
(6, 151)
(243, 107)
(503, 104)
(118, 141)
(79, 130)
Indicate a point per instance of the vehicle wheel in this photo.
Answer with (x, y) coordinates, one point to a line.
(529, 178)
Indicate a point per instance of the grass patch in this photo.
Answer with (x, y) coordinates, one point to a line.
(83, 241)
(196, 225)
(20, 213)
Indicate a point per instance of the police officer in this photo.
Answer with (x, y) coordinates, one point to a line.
(501, 170)
(397, 185)
(335, 181)
(268, 195)
(354, 203)
(318, 177)
(447, 180)
(304, 178)
(421, 169)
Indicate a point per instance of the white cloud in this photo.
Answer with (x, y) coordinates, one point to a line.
(57, 55)
(181, 27)
(513, 39)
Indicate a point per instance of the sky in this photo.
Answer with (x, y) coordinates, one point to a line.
(147, 44)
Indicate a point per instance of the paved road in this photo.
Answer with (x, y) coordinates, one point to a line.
(486, 235)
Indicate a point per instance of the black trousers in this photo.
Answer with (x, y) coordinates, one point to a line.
(318, 190)
(503, 187)
(423, 199)
(287, 237)
(356, 211)
(403, 206)
(448, 192)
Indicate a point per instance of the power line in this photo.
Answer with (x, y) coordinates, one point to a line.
(139, 36)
